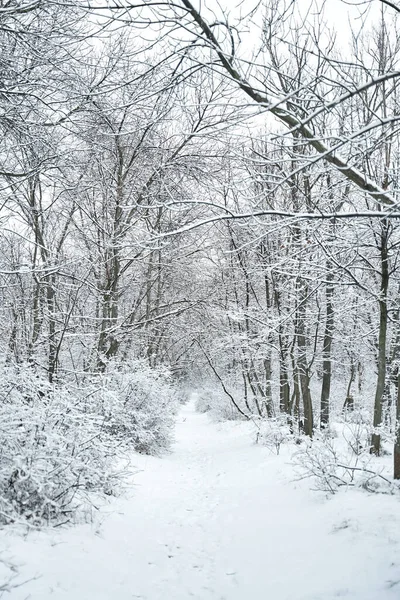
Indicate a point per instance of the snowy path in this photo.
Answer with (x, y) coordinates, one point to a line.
(219, 519)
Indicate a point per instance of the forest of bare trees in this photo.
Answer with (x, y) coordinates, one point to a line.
(192, 197)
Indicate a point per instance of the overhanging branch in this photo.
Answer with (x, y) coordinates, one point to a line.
(351, 173)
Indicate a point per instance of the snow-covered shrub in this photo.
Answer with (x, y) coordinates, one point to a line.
(357, 431)
(217, 404)
(273, 433)
(204, 401)
(60, 444)
(138, 404)
(330, 465)
(52, 453)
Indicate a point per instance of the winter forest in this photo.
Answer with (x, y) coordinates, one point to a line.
(200, 270)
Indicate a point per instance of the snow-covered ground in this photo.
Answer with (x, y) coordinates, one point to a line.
(218, 519)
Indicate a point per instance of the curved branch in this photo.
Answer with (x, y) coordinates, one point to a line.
(293, 122)
(391, 4)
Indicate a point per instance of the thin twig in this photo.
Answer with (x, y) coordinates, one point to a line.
(217, 375)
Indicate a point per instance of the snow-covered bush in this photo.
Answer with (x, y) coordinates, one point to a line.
(138, 404)
(330, 465)
(273, 433)
(52, 453)
(357, 431)
(217, 404)
(60, 444)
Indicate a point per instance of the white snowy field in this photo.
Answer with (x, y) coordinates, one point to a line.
(218, 519)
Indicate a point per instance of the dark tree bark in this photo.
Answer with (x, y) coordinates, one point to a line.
(327, 351)
(302, 363)
(396, 470)
(382, 338)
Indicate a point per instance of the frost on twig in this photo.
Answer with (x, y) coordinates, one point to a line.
(331, 465)
(272, 433)
(63, 449)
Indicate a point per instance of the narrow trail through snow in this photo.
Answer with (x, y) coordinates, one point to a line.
(219, 519)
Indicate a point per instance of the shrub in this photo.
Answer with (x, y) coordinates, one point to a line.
(60, 446)
(331, 466)
(217, 404)
(51, 452)
(273, 433)
(138, 404)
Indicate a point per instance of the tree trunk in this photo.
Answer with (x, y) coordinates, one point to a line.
(304, 374)
(284, 387)
(284, 384)
(383, 323)
(107, 346)
(51, 307)
(396, 471)
(327, 350)
(269, 405)
(349, 401)
(295, 399)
